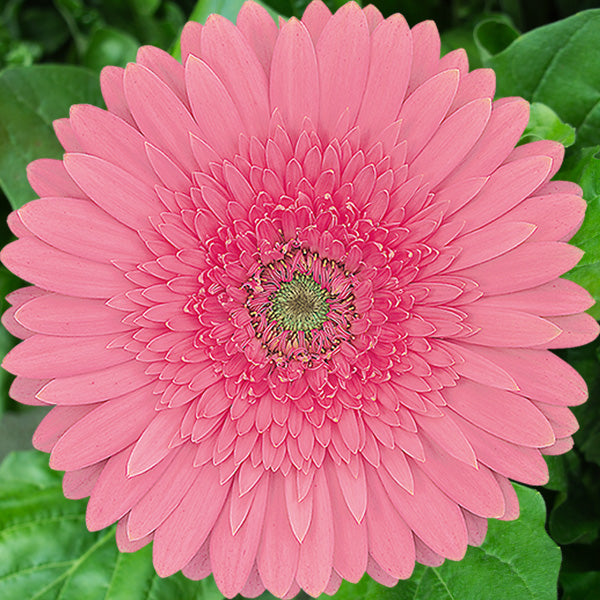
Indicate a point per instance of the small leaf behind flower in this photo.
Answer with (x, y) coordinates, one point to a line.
(583, 168)
(46, 552)
(545, 124)
(30, 99)
(559, 65)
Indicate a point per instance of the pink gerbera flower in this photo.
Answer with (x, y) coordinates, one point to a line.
(294, 302)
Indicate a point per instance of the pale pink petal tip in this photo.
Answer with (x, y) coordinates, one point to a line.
(294, 302)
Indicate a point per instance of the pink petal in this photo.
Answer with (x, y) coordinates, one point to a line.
(168, 172)
(444, 432)
(106, 430)
(218, 119)
(111, 84)
(489, 242)
(299, 511)
(232, 555)
(510, 498)
(294, 86)
(16, 225)
(57, 271)
(389, 69)
(124, 543)
(95, 386)
(426, 53)
(561, 419)
(66, 136)
(343, 56)
(55, 423)
(80, 228)
(13, 326)
(24, 294)
(397, 466)
(199, 567)
(351, 548)
(418, 125)
(354, 489)
(254, 586)
(524, 267)
(567, 215)
(315, 17)
(425, 555)
(436, 519)
(458, 195)
(106, 136)
(555, 298)
(576, 330)
(478, 368)
(181, 535)
(191, 37)
(150, 99)
(508, 186)
(43, 356)
(278, 553)
(390, 539)
(553, 150)
(48, 177)
(54, 314)
(80, 483)
(476, 528)
(127, 198)
(379, 575)
(24, 390)
(559, 447)
(229, 55)
(508, 328)
(501, 413)
(514, 461)
(169, 70)
(116, 492)
(455, 137)
(154, 443)
(474, 488)
(374, 17)
(540, 375)
(260, 32)
(316, 552)
(507, 122)
(480, 83)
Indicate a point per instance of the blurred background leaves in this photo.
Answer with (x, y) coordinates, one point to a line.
(546, 51)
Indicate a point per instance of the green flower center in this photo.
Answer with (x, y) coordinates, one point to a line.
(299, 304)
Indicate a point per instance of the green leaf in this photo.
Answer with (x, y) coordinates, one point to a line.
(30, 99)
(575, 514)
(584, 168)
(581, 586)
(586, 359)
(145, 7)
(108, 46)
(545, 124)
(462, 37)
(46, 552)
(494, 34)
(517, 557)
(558, 65)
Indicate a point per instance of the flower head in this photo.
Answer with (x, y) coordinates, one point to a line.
(294, 301)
